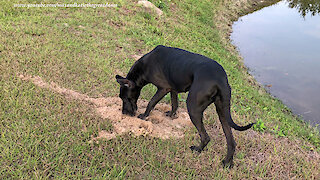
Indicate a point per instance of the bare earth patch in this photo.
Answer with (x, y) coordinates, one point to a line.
(156, 125)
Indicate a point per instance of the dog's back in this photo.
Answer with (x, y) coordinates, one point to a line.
(176, 68)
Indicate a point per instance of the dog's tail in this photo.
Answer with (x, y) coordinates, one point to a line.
(233, 124)
(223, 105)
(239, 128)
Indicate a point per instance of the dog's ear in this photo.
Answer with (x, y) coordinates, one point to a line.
(119, 77)
(125, 82)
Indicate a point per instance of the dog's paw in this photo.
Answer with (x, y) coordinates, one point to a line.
(142, 116)
(195, 148)
(227, 164)
(171, 114)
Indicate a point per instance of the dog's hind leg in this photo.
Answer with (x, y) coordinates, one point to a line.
(198, 100)
(223, 110)
(174, 103)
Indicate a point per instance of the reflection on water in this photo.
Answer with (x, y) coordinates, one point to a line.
(282, 50)
(305, 7)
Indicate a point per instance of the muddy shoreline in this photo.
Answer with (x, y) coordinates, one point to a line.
(257, 5)
(235, 10)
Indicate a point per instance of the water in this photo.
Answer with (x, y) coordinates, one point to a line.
(281, 47)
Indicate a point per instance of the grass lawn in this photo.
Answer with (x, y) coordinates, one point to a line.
(45, 135)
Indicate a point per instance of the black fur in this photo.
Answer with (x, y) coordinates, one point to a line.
(175, 70)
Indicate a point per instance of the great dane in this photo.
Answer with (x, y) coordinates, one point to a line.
(176, 70)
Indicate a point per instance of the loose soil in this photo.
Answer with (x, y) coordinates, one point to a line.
(156, 125)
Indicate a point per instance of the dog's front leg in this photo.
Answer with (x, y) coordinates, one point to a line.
(155, 99)
(174, 103)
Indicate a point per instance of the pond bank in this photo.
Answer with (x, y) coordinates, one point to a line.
(235, 9)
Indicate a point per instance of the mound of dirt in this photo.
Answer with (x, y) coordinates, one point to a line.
(156, 125)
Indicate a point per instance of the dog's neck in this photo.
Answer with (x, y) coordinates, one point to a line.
(136, 74)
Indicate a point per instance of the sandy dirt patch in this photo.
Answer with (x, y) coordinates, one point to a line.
(156, 125)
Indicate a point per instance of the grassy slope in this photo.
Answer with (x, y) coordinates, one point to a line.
(45, 135)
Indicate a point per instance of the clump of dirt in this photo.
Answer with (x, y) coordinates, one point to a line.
(156, 125)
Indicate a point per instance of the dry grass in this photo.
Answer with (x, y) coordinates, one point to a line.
(45, 135)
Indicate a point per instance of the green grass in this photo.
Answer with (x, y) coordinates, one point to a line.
(45, 135)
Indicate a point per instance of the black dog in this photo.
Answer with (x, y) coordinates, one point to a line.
(175, 70)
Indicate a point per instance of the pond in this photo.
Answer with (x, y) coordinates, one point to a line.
(280, 45)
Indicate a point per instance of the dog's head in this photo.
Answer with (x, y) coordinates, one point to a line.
(129, 93)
